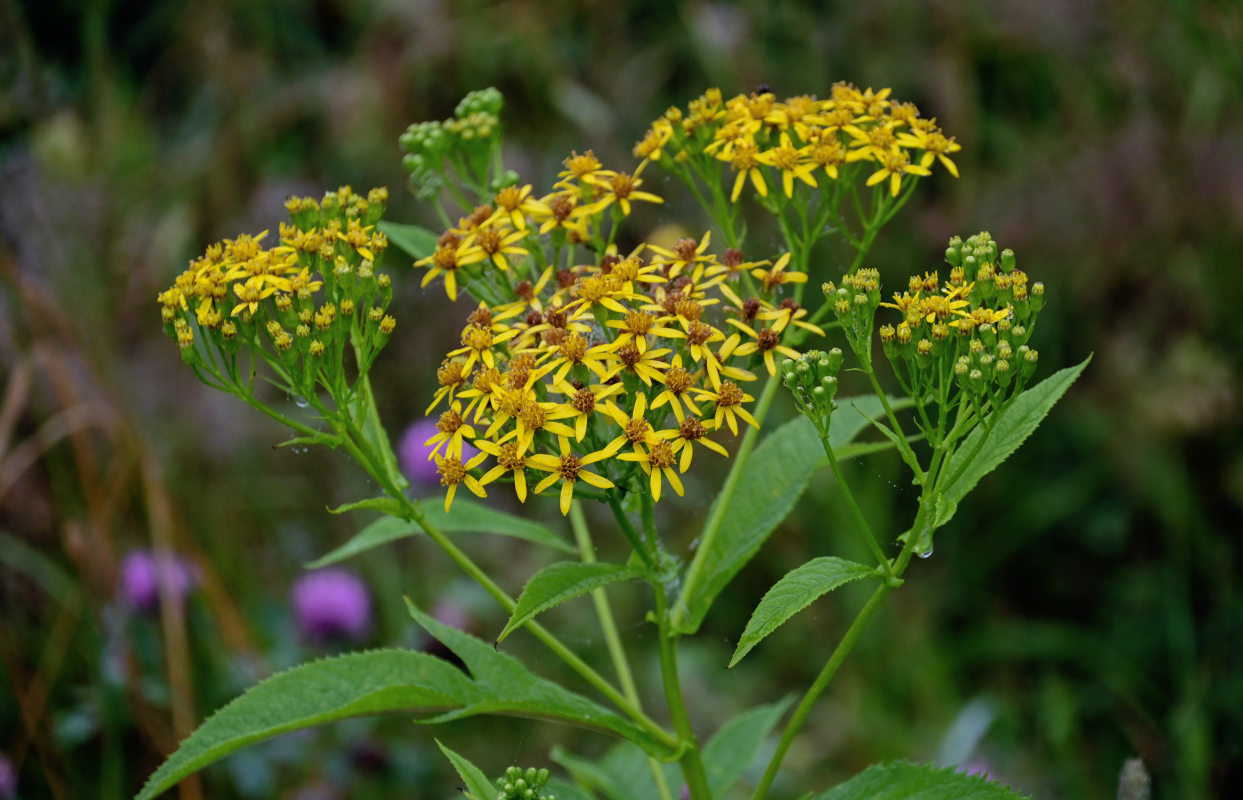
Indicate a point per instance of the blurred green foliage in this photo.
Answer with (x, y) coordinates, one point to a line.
(1081, 610)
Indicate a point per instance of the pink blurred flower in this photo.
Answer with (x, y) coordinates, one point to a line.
(332, 603)
(142, 573)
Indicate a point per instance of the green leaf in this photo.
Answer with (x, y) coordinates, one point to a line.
(564, 790)
(796, 590)
(904, 781)
(984, 449)
(777, 475)
(563, 581)
(313, 694)
(501, 684)
(415, 241)
(466, 517)
(734, 746)
(623, 773)
(384, 504)
(478, 787)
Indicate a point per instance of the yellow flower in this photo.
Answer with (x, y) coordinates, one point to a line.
(691, 431)
(533, 417)
(451, 375)
(777, 276)
(514, 203)
(793, 163)
(744, 157)
(510, 458)
(678, 382)
(766, 340)
(574, 350)
(568, 468)
(635, 428)
(728, 400)
(685, 252)
(646, 365)
(453, 472)
(451, 430)
(579, 168)
(450, 255)
(658, 459)
(894, 164)
(477, 343)
(252, 293)
(638, 325)
(620, 188)
(496, 244)
(587, 401)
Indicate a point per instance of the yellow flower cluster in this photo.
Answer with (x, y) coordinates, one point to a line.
(973, 329)
(802, 140)
(295, 303)
(610, 372)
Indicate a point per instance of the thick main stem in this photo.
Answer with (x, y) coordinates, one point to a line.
(587, 552)
(690, 761)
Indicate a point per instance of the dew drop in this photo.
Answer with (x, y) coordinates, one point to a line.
(925, 553)
(301, 401)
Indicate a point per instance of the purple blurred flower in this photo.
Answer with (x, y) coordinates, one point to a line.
(8, 779)
(977, 767)
(142, 572)
(332, 603)
(413, 454)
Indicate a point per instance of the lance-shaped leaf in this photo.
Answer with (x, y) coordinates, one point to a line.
(796, 590)
(415, 241)
(777, 474)
(501, 684)
(563, 581)
(735, 744)
(466, 517)
(904, 781)
(313, 694)
(984, 449)
(478, 787)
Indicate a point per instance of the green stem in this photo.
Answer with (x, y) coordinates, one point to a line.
(690, 761)
(855, 511)
(842, 650)
(413, 511)
(608, 626)
(822, 680)
(713, 525)
(624, 523)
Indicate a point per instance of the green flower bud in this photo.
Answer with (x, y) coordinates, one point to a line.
(1007, 260)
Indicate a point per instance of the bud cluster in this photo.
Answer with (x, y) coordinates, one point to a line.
(969, 333)
(528, 784)
(465, 142)
(812, 379)
(855, 302)
(299, 305)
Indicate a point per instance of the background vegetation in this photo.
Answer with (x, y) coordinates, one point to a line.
(1084, 608)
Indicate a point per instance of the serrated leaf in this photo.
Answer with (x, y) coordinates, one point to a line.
(478, 787)
(415, 241)
(502, 684)
(777, 475)
(983, 450)
(563, 581)
(796, 590)
(735, 744)
(905, 781)
(466, 517)
(314, 694)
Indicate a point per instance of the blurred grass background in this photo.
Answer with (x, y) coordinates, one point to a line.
(1082, 609)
